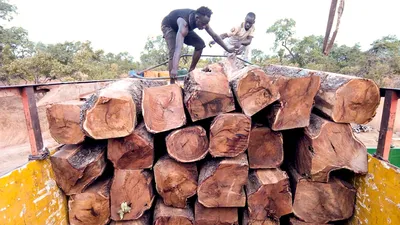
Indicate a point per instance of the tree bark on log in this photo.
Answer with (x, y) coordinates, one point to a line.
(325, 146)
(189, 144)
(215, 216)
(163, 108)
(316, 202)
(268, 194)
(91, 206)
(295, 221)
(253, 89)
(221, 182)
(229, 135)
(297, 89)
(112, 112)
(175, 181)
(347, 99)
(265, 148)
(77, 166)
(135, 151)
(247, 221)
(132, 188)
(166, 215)
(64, 123)
(207, 93)
(143, 220)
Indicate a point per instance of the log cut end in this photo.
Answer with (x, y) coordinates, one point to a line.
(143, 220)
(356, 102)
(64, 122)
(163, 108)
(207, 93)
(215, 216)
(91, 206)
(110, 114)
(229, 135)
(175, 181)
(189, 144)
(135, 151)
(248, 221)
(217, 189)
(165, 215)
(131, 194)
(265, 148)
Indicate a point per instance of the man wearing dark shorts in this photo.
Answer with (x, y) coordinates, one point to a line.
(177, 28)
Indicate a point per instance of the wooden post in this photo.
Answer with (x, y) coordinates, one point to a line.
(32, 119)
(387, 124)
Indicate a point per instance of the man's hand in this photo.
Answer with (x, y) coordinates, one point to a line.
(231, 50)
(237, 45)
(211, 43)
(172, 75)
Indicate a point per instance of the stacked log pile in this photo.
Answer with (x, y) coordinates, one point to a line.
(236, 145)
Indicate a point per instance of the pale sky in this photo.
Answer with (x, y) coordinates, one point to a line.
(122, 25)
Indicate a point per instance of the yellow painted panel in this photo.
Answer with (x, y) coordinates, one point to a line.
(29, 195)
(378, 195)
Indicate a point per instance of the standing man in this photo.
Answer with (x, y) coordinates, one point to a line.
(177, 28)
(240, 36)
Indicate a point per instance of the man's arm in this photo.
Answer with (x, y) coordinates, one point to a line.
(180, 36)
(247, 41)
(218, 39)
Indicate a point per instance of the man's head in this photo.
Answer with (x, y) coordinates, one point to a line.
(203, 15)
(249, 20)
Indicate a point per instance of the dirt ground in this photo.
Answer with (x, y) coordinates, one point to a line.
(14, 143)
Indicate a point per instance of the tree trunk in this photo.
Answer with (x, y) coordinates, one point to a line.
(175, 181)
(268, 194)
(215, 216)
(297, 89)
(163, 108)
(229, 135)
(253, 89)
(326, 146)
(247, 221)
(64, 123)
(91, 206)
(347, 99)
(316, 202)
(295, 221)
(221, 182)
(143, 220)
(135, 151)
(134, 189)
(265, 148)
(189, 144)
(166, 215)
(207, 93)
(77, 166)
(112, 112)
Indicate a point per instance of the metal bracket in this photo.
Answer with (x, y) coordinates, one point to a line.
(42, 154)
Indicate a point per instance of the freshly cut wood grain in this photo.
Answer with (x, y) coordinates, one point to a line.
(229, 135)
(295, 221)
(221, 182)
(325, 146)
(189, 144)
(207, 93)
(215, 216)
(64, 123)
(265, 148)
(317, 202)
(253, 89)
(163, 108)
(135, 151)
(247, 221)
(268, 194)
(166, 215)
(77, 166)
(133, 188)
(347, 99)
(143, 220)
(91, 206)
(297, 88)
(175, 181)
(112, 112)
